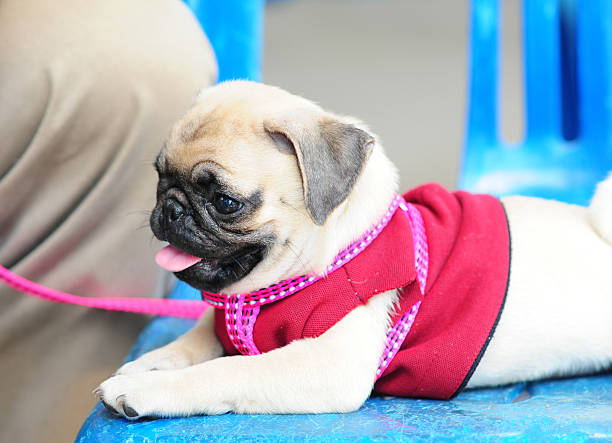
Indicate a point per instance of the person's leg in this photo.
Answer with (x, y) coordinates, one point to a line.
(88, 91)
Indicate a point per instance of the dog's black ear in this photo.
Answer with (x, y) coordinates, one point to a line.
(330, 155)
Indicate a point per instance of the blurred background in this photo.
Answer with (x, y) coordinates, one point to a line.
(398, 65)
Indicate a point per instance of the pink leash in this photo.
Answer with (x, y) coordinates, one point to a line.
(154, 306)
(195, 308)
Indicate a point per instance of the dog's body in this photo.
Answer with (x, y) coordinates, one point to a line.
(267, 186)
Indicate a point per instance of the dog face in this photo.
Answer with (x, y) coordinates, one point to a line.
(247, 176)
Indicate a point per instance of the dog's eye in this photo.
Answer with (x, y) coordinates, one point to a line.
(226, 205)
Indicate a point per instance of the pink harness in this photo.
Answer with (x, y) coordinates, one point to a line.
(241, 310)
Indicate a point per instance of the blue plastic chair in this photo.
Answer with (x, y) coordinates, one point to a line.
(234, 29)
(568, 86)
(576, 409)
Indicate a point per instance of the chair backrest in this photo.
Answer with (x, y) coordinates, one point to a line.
(567, 50)
(234, 29)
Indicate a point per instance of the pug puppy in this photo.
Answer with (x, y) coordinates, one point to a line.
(257, 186)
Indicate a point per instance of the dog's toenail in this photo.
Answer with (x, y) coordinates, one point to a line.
(130, 412)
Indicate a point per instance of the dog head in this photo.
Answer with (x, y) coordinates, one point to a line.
(248, 178)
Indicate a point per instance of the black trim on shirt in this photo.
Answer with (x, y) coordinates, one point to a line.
(486, 343)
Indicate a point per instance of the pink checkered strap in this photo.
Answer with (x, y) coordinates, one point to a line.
(286, 288)
(395, 338)
(419, 239)
(398, 333)
(239, 322)
(241, 310)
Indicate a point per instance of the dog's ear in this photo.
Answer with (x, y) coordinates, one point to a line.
(330, 156)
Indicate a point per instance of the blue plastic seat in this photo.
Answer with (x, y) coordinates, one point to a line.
(546, 164)
(576, 409)
(234, 29)
(568, 97)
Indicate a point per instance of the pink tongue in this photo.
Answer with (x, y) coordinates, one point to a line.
(174, 260)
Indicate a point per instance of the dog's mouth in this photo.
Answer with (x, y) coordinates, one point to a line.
(209, 274)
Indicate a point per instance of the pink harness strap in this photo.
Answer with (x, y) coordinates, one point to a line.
(241, 310)
(286, 288)
(154, 306)
(397, 334)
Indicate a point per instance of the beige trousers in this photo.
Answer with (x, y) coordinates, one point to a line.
(88, 91)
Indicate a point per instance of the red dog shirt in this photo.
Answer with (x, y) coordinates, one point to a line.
(469, 260)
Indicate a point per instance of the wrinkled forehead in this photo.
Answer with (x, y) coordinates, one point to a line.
(235, 109)
(210, 132)
(226, 143)
(208, 121)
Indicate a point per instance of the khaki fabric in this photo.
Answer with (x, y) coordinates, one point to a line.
(88, 91)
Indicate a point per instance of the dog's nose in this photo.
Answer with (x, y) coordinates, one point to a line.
(173, 210)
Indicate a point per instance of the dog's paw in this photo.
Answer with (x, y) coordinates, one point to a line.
(161, 394)
(137, 395)
(161, 359)
(129, 396)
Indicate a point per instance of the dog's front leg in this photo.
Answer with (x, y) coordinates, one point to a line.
(197, 345)
(334, 372)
